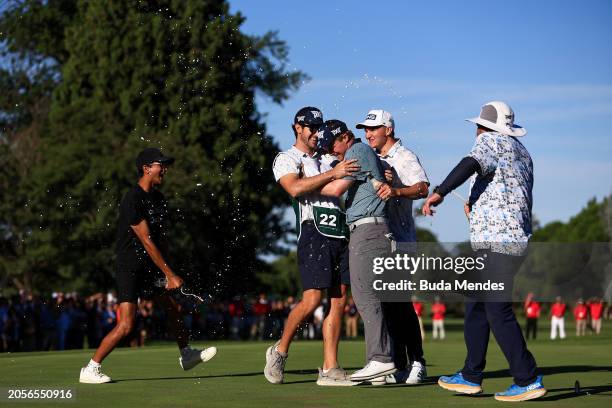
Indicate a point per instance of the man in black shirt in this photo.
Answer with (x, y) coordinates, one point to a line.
(141, 253)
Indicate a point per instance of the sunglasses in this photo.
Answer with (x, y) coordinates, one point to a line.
(313, 128)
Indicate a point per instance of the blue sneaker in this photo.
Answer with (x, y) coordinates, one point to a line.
(458, 384)
(515, 393)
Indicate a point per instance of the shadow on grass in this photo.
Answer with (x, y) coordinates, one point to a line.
(556, 394)
(571, 392)
(554, 370)
(431, 380)
(252, 374)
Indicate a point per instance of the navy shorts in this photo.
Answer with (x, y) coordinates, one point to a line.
(137, 280)
(323, 262)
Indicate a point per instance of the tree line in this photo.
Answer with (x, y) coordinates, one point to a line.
(88, 84)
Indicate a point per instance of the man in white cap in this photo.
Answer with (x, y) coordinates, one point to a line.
(499, 211)
(408, 181)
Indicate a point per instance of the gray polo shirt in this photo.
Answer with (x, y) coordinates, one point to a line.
(361, 199)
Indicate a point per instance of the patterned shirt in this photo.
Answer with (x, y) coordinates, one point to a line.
(501, 195)
(407, 171)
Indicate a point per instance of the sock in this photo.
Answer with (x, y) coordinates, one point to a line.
(185, 349)
(280, 352)
(93, 364)
(325, 371)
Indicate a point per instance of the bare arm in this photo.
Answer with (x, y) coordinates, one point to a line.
(296, 186)
(336, 188)
(415, 191)
(142, 232)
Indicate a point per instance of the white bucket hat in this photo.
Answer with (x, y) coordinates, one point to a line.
(499, 116)
(377, 117)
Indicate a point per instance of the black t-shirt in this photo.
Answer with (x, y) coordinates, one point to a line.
(138, 205)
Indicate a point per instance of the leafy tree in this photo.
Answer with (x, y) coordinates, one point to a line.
(283, 278)
(589, 225)
(570, 258)
(177, 75)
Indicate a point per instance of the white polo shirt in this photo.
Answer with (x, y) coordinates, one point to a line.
(294, 161)
(407, 171)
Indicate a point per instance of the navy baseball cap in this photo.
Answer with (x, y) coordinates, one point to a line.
(152, 155)
(330, 130)
(309, 116)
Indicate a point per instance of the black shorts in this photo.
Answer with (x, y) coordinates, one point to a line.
(323, 262)
(137, 280)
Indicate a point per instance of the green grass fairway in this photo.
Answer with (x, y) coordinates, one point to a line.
(151, 377)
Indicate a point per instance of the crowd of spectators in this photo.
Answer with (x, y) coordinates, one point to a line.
(68, 321)
(65, 321)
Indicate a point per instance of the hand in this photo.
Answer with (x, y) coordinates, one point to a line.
(384, 191)
(173, 282)
(432, 201)
(345, 168)
(467, 208)
(389, 175)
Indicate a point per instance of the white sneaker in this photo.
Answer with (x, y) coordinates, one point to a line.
(93, 375)
(418, 373)
(398, 377)
(372, 370)
(335, 377)
(274, 370)
(382, 380)
(192, 357)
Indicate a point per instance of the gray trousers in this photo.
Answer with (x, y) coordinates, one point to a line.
(367, 242)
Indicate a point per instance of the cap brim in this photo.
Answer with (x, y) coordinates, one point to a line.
(166, 160)
(516, 131)
(368, 123)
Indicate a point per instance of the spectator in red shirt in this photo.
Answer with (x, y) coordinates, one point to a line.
(438, 310)
(595, 309)
(580, 314)
(351, 319)
(261, 309)
(418, 309)
(532, 311)
(557, 319)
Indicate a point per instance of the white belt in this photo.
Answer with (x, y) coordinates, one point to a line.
(367, 220)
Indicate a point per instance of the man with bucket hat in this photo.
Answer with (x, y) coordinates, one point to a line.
(322, 249)
(499, 212)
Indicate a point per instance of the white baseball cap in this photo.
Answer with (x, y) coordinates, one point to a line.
(499, 116)
(377, 117)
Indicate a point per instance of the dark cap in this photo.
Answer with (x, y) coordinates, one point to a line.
(152, 155)
(309, 116)
(330, 130)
